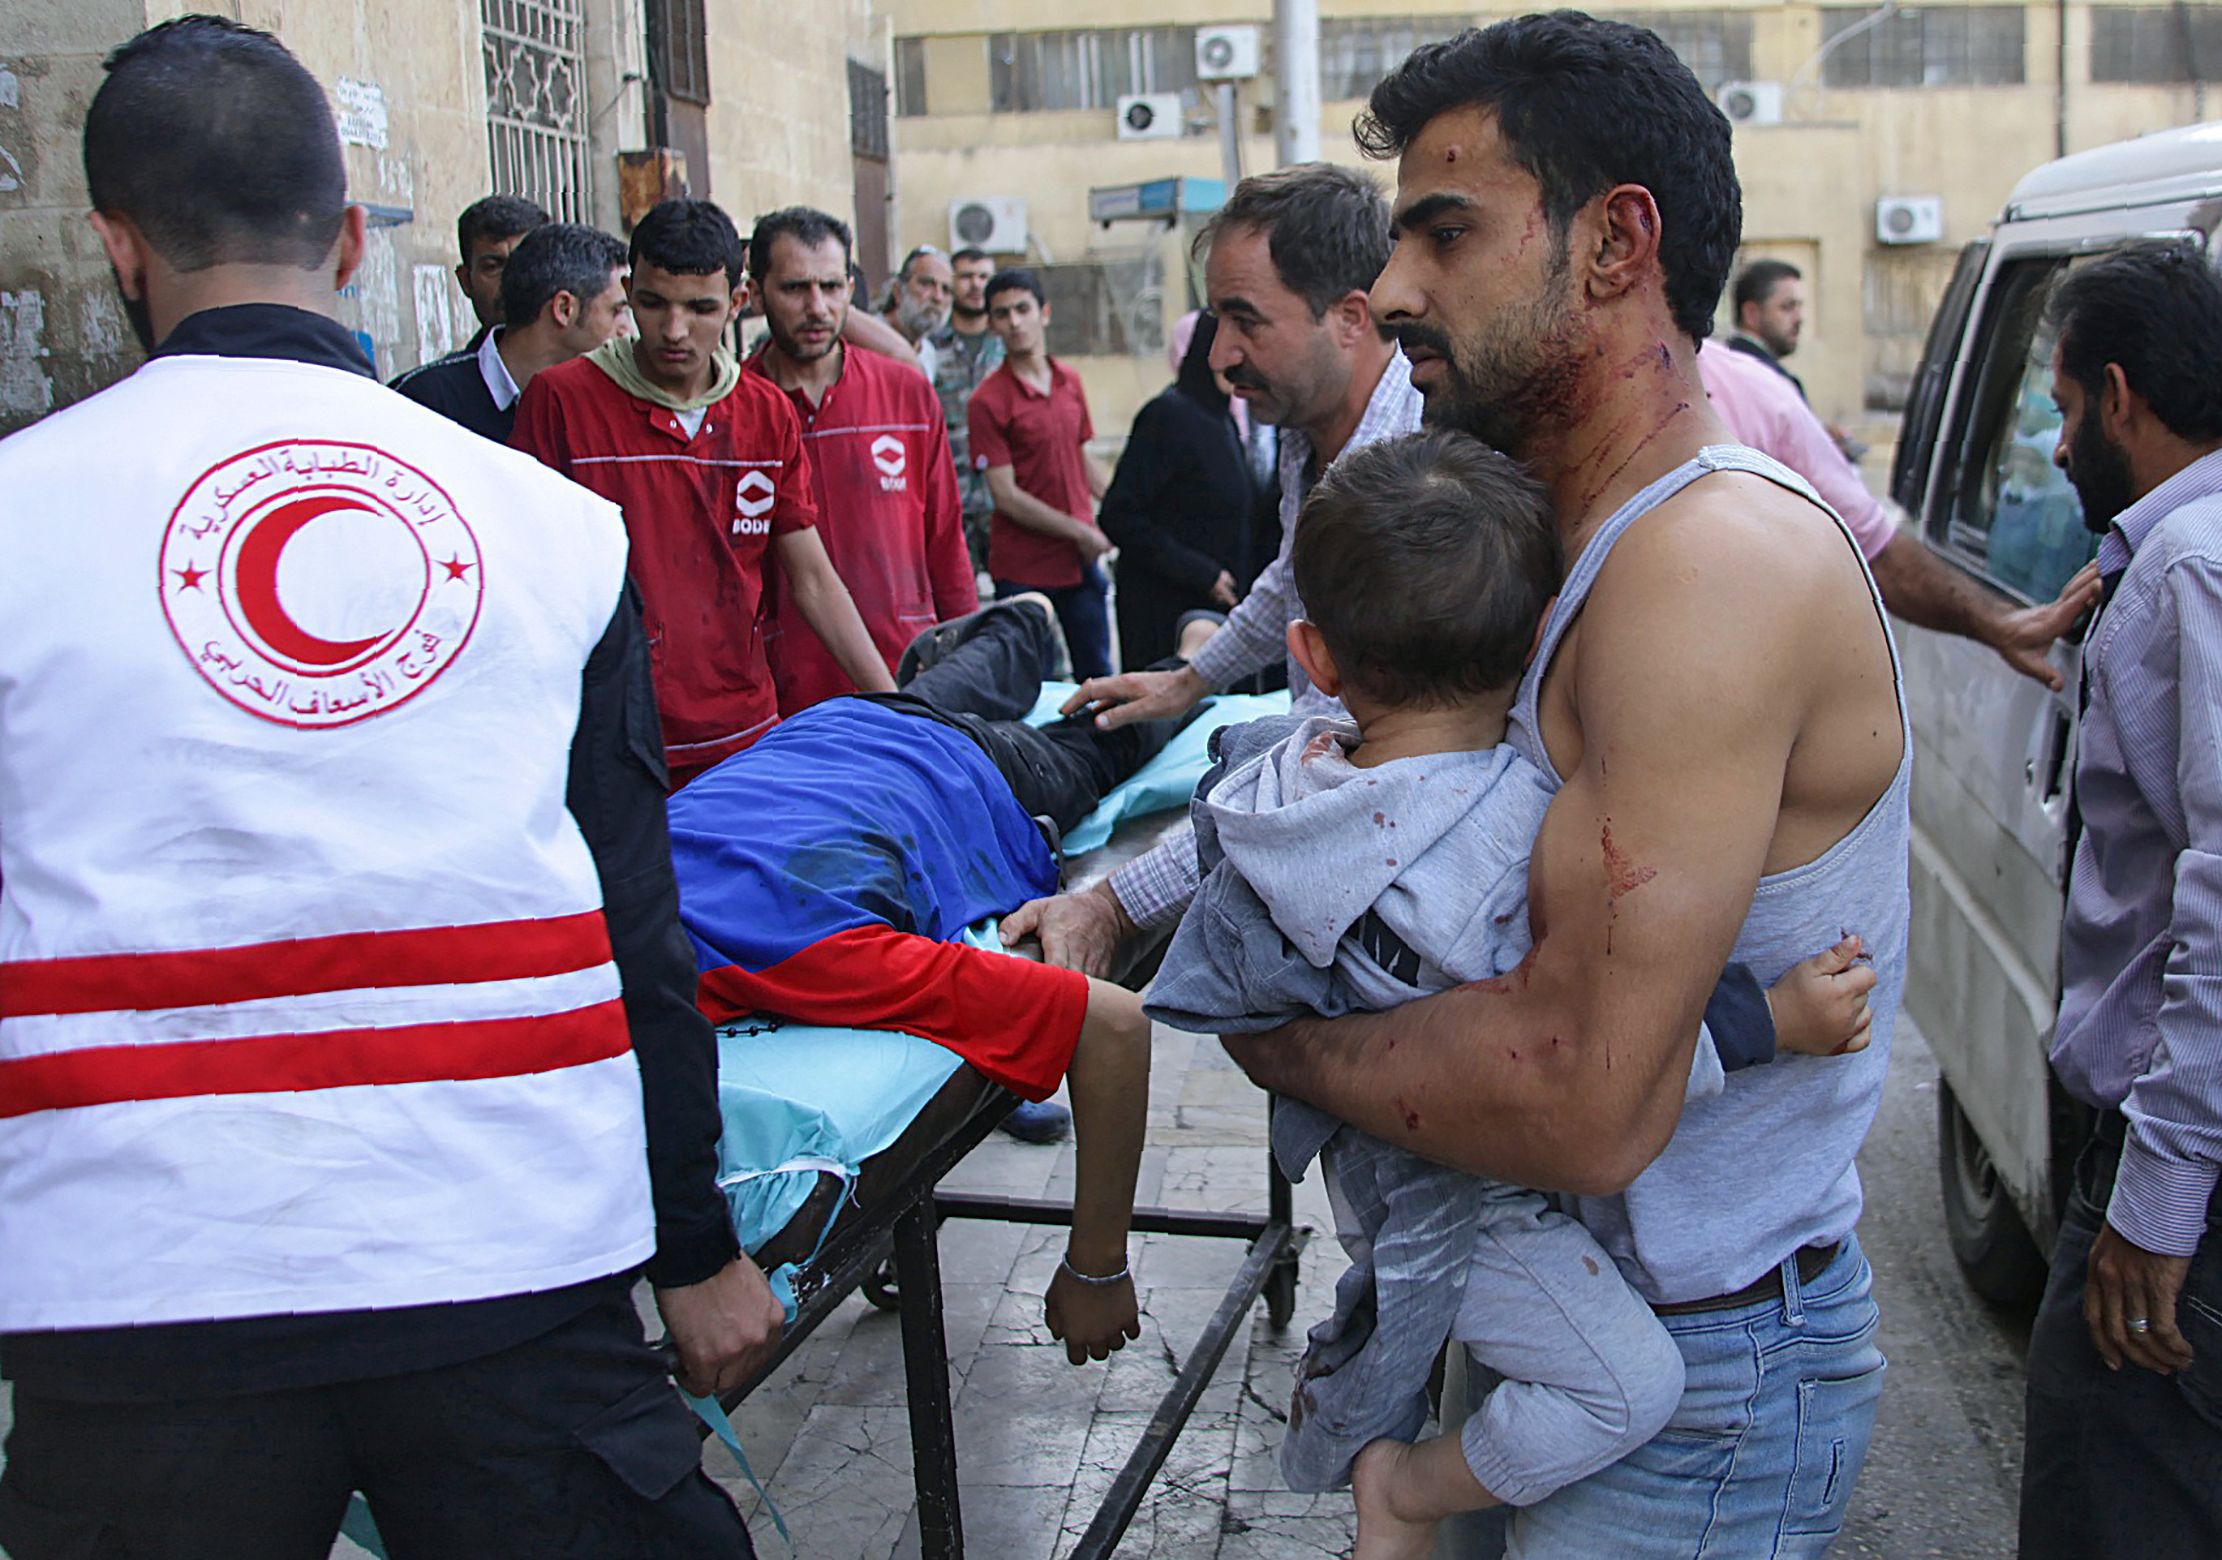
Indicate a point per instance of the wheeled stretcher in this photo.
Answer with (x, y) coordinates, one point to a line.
(837, 1141)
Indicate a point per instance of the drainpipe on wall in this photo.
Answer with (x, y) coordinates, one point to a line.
(1295, 81)
(2060, 79)
(2191, 63)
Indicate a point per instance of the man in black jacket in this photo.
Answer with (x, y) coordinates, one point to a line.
(562, 295)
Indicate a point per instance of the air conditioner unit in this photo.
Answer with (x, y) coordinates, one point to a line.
(1226, 53)
(1150, 116)
(1751, 102)
(995, 223)
(1909, 219)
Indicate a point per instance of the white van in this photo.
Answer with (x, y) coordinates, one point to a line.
(1995, 751)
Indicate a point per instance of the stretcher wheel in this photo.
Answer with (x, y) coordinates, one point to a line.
(1280, 1292)
(883, 1294)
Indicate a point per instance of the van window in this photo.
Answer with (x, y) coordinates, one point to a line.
(2013, 514)
(1917, 433)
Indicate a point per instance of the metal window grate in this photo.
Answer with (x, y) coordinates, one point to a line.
(1940, 46)
(536, 115)
(679, 49)
(910, 77)
(2156, 44)
(867, 112)
(1030, 72)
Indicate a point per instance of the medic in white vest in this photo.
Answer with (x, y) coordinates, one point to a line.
(323, 725)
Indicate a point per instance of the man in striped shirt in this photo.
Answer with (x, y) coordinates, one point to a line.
(2125, 1462)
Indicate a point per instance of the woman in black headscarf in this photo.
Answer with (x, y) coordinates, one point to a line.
(1181, 509)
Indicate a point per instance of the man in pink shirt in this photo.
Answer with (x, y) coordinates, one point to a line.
(1765, 411)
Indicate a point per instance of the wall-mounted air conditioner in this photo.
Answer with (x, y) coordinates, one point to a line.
(996, 223)
(1150, 116)
(1750, 102)
(1226, 53)
(1909, 219)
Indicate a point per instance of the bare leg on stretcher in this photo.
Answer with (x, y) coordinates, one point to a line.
(984, 675)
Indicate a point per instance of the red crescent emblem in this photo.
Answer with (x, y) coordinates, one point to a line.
(255, 577)
(225, 549)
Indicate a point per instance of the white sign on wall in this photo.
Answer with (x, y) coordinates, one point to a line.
(361, 109)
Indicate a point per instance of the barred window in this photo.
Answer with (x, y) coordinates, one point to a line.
(679, 49)
(1356, 52)
(2156, 44)
(1090, 68)
(867, 112)
(1936, 46)
(533, 53)
(1716, 45)
(910, 77)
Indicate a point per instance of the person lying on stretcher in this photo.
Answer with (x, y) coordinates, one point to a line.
(826, 873)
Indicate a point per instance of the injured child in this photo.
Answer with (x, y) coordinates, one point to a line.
(1354, 865)
(826, 872)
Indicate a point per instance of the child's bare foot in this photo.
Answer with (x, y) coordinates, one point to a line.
(1375, 1480)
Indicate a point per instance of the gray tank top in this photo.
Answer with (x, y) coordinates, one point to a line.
(1765, 1167)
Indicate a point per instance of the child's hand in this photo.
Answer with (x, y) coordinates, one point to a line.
(1093, 1321)
(1820, 1006)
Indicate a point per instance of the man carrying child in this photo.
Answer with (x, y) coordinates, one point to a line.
(1358, 864)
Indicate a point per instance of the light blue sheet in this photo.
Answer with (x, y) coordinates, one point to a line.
(1169, 779)
(800, 1099)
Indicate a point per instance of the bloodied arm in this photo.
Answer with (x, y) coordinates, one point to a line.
(1568, 1074)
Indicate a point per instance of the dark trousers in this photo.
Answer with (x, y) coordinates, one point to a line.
(1084, 614)
(573, 1446)
(2121, 1465)
(981, 673)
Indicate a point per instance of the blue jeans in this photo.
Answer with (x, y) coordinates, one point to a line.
(1083, 614)
(1760, 1458)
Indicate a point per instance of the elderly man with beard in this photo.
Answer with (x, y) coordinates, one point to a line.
(919, 303)
(1714, 705)
(2123, 1462)
(1289, 260)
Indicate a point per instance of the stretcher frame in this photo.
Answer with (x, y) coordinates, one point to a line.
(899, 1227)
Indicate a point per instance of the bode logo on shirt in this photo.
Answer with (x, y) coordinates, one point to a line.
(891, 459)
(753, 498)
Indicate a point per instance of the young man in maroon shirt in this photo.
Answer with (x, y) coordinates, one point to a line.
(1030, 431)
(886, 489)
(708, 464)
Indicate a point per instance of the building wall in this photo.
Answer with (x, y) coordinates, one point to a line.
(779, 112)
(62, 334)
(407, 80)
(1810, 184)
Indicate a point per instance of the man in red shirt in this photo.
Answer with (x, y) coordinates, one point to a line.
(708, 464)
(886, 489)
(1030, 431)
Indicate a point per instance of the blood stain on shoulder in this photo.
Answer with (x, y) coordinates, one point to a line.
(1623, 874)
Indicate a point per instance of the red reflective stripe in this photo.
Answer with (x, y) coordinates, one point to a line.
(335, 1059)
(202, 977)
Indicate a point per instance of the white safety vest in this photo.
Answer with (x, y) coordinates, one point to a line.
(306, 1001)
